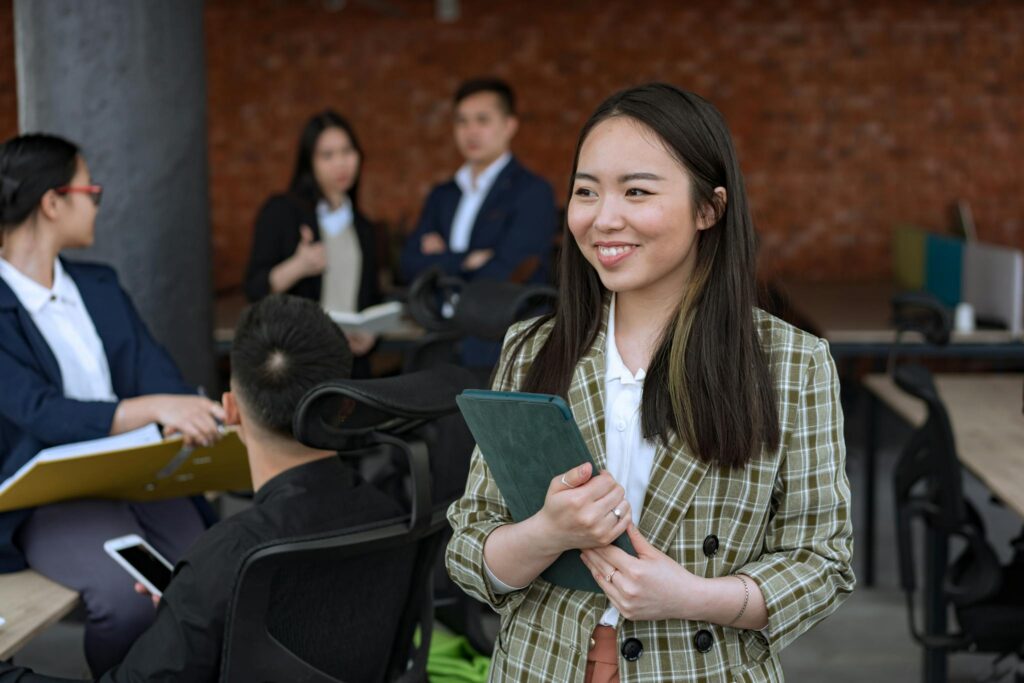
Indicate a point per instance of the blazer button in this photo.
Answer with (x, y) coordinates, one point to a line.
(703, 640)
(711, 545)
(632, 649)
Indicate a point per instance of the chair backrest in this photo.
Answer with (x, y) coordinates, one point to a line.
(930, 455)
(487, 309)
(482, 309)
(344, 606)
(919, 312)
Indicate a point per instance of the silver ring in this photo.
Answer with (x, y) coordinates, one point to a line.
(618, 513)
(567, 484)
(611, 576)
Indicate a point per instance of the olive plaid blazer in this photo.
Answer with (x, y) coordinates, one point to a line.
(783, 520)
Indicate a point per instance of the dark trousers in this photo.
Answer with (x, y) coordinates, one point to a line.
(64, 542)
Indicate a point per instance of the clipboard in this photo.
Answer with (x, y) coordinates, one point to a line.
(130, 469)
(527, 440)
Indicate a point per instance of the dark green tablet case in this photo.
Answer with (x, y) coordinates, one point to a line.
(527, 440)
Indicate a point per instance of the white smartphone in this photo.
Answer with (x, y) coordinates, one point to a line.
(139, 559)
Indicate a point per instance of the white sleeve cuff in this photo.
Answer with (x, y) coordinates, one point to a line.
(497, 585)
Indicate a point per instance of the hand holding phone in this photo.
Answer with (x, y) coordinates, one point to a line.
(142, 561)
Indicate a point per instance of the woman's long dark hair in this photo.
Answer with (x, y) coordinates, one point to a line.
(304, 185)
(30, 166)
(709, 379)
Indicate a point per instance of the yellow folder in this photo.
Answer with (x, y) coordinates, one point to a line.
(137, 473)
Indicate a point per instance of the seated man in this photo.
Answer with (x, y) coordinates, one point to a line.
(283, 347)
(494, 220)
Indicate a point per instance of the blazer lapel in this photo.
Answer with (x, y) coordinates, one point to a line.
(675, 477)
(586, 395)
(40, 349)
(494, 207)
(449, 205)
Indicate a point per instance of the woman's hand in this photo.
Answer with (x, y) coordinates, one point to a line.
(309, 259)
(310, 256)
(360, 342)
(648, 587)
(194, 417)
(583, 511)
(577, 513)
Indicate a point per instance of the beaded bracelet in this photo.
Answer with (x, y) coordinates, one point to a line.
(746, 599)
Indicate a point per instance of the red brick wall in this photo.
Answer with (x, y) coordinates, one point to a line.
(850, 118)
(8, 81)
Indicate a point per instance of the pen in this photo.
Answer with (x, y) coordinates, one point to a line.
(201, 390)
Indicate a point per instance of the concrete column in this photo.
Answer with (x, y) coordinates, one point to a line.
(126, 80)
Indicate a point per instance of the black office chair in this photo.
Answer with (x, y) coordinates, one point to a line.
(987, 597)
(451, 309)
(345, 606)
(484, 310)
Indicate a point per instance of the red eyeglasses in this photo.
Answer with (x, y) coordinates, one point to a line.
(95, 192)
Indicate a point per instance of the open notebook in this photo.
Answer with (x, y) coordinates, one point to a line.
(378, 319)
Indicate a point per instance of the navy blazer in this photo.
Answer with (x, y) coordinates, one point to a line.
(517, 220)
(34, 413)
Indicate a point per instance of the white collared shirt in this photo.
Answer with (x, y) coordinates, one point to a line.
(334, 222)
(61, 317)
(473, 195)
(630, 457)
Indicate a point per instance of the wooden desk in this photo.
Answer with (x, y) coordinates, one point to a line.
(988, 428)
(30, 603)
(856, 318)
(985, 411)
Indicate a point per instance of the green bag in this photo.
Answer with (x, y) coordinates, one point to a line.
(452, 660)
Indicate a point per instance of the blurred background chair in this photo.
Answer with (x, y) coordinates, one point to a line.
(453, 311)
(986, 597)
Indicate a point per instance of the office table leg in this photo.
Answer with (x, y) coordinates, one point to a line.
(870, 454)
(936, 555)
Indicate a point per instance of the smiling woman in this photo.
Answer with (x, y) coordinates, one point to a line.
(716, 428)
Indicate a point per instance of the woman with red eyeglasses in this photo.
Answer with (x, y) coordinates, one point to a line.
(77, 363)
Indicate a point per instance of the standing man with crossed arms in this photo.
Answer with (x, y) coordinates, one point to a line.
(494, 220)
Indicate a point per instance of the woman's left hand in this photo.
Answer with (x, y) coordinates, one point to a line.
(360, 342)
(649, 587)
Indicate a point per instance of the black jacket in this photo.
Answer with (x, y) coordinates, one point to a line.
(184, 643)
(277, 235)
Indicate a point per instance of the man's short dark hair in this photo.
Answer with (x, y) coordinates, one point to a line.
(506, 98)
(284, 346)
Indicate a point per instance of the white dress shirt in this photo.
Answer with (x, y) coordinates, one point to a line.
(630, 457)
(473, 195)
(332, 223)
(61, 317)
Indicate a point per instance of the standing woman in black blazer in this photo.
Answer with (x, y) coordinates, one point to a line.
(313, 241)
